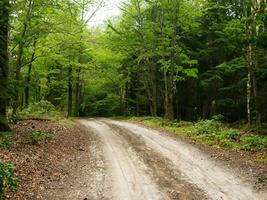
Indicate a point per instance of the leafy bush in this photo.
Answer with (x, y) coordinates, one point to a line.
(254, 142)
(230, 134)
(7, 178)
(37, 137)
(207, 126)
(213, 132)
(39, 109)
(217, 118)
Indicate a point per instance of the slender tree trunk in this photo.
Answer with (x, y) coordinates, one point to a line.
(168, 114)
(154, 90)
(170, 82)
(70, 92)
(4, 17)
(77, 99)
(27, 88)
(77, 93)
(252, 31)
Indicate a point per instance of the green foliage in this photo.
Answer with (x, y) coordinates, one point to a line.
(214, 132)
(5, 142)
(211, 132)
(38, 137)
(7, 178)
(208, 127)
(179, 59)
(106, 106)
(253, 142)
(40, 109)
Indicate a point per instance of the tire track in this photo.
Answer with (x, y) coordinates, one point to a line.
(129, 175)
(195, 167)
(165, 175)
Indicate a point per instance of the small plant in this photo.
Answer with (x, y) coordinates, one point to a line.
(8, 180)
(5, 140)
(5, 143)
(38, 136)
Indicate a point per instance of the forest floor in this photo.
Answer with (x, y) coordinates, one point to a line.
(112, 159)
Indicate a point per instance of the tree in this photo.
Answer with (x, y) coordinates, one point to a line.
(4, 65)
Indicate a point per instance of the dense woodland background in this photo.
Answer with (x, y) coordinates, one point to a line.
(179, 59)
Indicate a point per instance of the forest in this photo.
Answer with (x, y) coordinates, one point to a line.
(177, 59)
(174, 92)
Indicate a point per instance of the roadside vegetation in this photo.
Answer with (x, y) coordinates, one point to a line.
(214, 133)
(8, 180)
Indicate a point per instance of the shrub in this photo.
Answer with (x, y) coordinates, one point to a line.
(218, 118)
(230, 134)
(39, 109)
(254, 142)
(7, 178)
(207, 126)
(38, 136)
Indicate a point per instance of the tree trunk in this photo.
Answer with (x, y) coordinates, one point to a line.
(4, 16)
(27, 88)
(70, 92)
(168, 107)
(154, 90)
(252, 31)
(77, 93)
(170, 82)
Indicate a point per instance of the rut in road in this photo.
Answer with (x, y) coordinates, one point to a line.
(129, 179)
(217, 182)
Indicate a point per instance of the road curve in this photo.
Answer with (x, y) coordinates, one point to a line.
(145, 164)
(216, 181)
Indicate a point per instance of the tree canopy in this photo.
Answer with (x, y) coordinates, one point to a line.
(178, 59)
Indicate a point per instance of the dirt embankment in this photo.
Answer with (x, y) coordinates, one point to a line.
(60, 168)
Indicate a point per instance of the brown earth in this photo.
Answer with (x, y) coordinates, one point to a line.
(55, 168)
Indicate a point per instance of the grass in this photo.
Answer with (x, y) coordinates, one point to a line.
(262, 158)
(211, 132)
(70, 122)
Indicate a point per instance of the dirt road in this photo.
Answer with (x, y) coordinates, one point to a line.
(144, 164)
